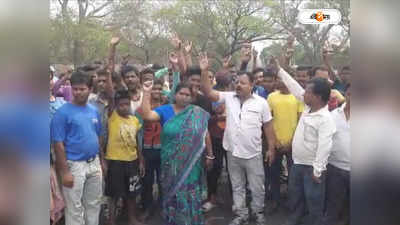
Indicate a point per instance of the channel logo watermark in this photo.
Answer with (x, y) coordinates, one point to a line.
(319, 16)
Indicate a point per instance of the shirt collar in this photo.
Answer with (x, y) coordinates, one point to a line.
(320, 112)
(251, 96)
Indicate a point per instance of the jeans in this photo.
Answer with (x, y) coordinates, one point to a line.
(252, 168)
(305, 192)
(337, 195)
(214, 174)
(273, 174)
(153, 164)
(83, 200)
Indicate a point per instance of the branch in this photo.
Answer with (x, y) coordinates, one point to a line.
(92, 13)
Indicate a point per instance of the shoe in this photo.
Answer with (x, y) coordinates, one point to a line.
(239, 220)
(208, 206)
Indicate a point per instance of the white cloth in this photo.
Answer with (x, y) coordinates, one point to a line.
(340, 154)
(136, 104)
(243, 132)
(312, 141)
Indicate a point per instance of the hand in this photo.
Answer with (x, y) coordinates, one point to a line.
(245, 55)
(148, 86)
(326, 56)
(274, 63)
(114, 41)
(226, 63)
(67, 179)
(316, 179)
(104, 167)
(173, 59)
(269, 157)
(209, 164)
(176, 42)
(203, 61)
(188, 47)
(142, 168)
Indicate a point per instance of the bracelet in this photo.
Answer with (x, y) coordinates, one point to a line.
(210, 157)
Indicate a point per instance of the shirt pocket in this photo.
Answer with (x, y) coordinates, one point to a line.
(250, 118)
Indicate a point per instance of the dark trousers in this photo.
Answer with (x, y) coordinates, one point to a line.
(214, 174)
(305, 192)
(337, 195)
(273, 175)
(153, 163)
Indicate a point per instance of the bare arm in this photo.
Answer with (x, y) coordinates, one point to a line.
(271, 139)
(206, 87)
(148, 114)
(111, 65)
(188, 53)
(61, 159)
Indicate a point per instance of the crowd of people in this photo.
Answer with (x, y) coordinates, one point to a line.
(118, 131)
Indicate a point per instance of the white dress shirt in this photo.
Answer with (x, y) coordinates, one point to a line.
(312, 141)
(340, 155)
(243, 132)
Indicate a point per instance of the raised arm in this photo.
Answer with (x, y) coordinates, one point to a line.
(206, 87)
(148, 114)
(110, 68)
(327, 62)
(188, 53)
(294, 87)
(177, 43)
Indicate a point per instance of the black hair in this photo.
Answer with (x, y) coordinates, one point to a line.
(158, 81)
(146, 71)
(257, 70)
(316, 68)
(121, 94)
(303, 68)
(78, 77)
(321, 87)
(180, 86)
(270, 72)
(102, 72)
(156, 67)
(88, 68)
(126, 69)
(248, 74)
(193, 70)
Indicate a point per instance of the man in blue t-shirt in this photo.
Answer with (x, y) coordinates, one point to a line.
(76, 134)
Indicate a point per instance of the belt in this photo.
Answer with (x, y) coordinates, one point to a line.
(91, 159)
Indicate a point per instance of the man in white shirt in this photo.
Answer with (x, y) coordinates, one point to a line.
(311, 146)
(247, 115)
(338, 170)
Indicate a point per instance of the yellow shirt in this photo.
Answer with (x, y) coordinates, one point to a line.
(285, 110)
(122, 133)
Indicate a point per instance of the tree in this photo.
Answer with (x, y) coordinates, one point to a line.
(220, 27)
(313, 37)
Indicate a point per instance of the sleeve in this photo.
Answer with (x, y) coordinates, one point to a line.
(300, 108)
(58, 127)
(266, 113)
(293, 86)
(325, 135)
(223, 95)
(269, 100)
(160, 111)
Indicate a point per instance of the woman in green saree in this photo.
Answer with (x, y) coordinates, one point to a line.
(183, 143)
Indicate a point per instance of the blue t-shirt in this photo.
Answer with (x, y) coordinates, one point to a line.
(165, 112)
(260, 91)
(79, 127)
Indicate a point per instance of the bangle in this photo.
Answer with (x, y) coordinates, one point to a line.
(210, 157)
